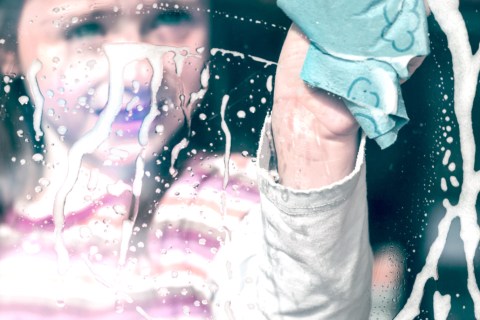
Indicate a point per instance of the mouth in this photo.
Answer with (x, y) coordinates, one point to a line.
(130, 118)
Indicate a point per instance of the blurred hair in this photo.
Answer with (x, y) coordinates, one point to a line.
(17, 170)
(12, 131)
(9, 16)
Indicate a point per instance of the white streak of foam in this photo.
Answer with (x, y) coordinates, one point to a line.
(237, 54)
(156, 82)
(465, 69)
(226, 172)
(228, 141)
(38, 98)
(205, 76)
(441, 306)
(155, 54)
(132, 103)
(241, 55)
(188, 110)
(139, 173)
(443, 185)
(175, 152)
(454, 181)
(144, 314)
(118, 55)
(266, 62)
(127, 230)
(200, 94)
(270, 83)
(446, 157)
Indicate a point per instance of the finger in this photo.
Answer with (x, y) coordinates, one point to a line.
(413, 65)
(291, 60)
(427, 7)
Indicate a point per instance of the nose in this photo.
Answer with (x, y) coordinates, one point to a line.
(124, 31)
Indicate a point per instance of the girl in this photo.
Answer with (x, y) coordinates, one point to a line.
(113, 227)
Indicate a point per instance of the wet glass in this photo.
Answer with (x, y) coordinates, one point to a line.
(146, 117)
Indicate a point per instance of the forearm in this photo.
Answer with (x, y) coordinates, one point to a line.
(308, 155)
(315, 135)
(316, 260)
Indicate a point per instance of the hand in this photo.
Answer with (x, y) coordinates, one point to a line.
(315, 135)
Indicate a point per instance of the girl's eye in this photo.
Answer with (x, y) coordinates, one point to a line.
(171, 18)
(87, 29)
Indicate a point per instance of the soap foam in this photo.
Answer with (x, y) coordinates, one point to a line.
(465, 68)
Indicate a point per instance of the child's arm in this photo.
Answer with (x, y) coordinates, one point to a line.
(315, 135)
(315, 261)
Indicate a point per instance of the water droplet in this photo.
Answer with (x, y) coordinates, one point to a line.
(159, 129)
(454, 181)
(44, 182)
(23, 100)
(452, 166)
(62, 130)
(37, 157)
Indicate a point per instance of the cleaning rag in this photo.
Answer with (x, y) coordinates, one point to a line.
(360, 51)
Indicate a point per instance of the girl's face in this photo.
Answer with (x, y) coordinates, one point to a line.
(68, 38)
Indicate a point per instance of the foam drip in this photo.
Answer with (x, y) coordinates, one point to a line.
(118, 55)
(241, 55)
(38, 98)
(465, 69)
(441, 306)
(228, 141)
(187, 111)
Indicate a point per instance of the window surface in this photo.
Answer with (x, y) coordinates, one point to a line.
(129, 132)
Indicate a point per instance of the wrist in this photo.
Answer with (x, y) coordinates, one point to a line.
(309, 155)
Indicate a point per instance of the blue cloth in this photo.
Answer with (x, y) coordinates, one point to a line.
(360, 51)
